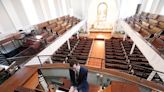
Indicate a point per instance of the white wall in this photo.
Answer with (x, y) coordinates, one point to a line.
(39, 10)
(60, 9)
(64, 7)
(52, 8)
(148, 6)
(160, 7)
(76, 5)
(162, 11)
(6, 25)
(30, 11)
(143, 5)
(128, 8)
(46, 10)
(68, 2)
(155, 7)
(11, 11)
(57, 8)
(19, 10)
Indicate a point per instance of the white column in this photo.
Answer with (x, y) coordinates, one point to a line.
(68, 43)
(39, 11)
(152, 74)
(50, 60)
(132, 49)
(64, 7)
(71, 11)
(6, 24)
(60, 8)
(124, 38)
(77, 35)
(85, 27)
(143, 5)
(84, 12)
(30, 11)
(154, 6)
(51, 4)
(149, 5)
(45, 8)
(20, 11)
(114, 28)
(11, 12)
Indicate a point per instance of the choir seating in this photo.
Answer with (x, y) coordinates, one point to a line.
(52, 21)
(36, 46)
(16, 46)
(159, 44)
(58, 25)
(137, 61)
(150, 26)
(118, 57)
(42, 30)
(51, 38)
(47, 33)
(157, 79)
(81, 51)
(62, 54)
(114, 55)
(30, 42)
(160, 22)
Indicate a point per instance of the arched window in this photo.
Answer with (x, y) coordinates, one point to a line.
(102, 11)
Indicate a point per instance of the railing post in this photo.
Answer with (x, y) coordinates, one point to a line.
(102, 64)
(77, 35)
(85, 27)
(152, 74)
(124, 38)
(39, 61)
(132, 49)
(42, 81)
(68, 43)
(50, 60)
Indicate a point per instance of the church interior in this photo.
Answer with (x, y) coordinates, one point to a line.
(120, 42)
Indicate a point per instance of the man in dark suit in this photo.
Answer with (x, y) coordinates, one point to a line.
(78, 76)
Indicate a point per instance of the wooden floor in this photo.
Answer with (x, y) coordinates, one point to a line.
(100, 35)
(97, 53)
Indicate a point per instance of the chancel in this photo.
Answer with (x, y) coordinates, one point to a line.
(81, 45)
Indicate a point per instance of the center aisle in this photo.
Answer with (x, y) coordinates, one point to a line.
(97, 54)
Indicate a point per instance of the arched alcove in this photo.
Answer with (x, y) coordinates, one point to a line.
(102, 14)
(102, 11)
